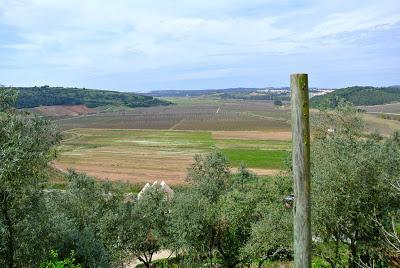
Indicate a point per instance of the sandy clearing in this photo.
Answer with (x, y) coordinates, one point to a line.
(252, 135)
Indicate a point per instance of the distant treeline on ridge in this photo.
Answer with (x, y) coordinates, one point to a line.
(29, 97)
(358, 96)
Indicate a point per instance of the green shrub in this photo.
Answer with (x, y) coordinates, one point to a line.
(55, 262)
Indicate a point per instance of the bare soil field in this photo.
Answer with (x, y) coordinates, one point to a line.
(63, 110)
(141, 169)
(224, 116)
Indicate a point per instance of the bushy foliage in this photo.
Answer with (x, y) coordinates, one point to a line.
(55, 262)
(143, 225)
(26, 147)
(81, 220)
(352, 178)
(215, 218)
(272, 234)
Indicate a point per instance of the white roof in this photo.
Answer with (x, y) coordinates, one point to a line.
(163, 185)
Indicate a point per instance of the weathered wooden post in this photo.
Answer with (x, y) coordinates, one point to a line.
(301, 170)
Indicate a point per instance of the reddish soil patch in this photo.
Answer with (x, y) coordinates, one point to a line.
(64, 110)
(252, 135)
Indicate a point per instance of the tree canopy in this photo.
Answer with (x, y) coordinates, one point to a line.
(29, 97)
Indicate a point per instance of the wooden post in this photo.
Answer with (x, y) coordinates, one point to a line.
(301, 170)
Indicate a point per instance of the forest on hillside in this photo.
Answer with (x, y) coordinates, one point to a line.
(29, 97)
(358, 96)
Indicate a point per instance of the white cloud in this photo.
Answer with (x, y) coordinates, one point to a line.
(100, 37)
(24, 46)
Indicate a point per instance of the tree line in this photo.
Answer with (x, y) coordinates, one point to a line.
(221, 218)
(29, 97)
(357, 95)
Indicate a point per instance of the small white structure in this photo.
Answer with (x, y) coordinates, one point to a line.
(169, 193)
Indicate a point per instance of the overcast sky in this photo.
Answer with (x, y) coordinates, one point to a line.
(167, 44)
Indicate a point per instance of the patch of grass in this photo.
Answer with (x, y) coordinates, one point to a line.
(56, 186)
(265, 144)
(256, 158)
(92, 138)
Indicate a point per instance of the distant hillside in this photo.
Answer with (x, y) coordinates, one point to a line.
(200, 92)
(229, 93)
(30, 97)
(358, 96)
(266, 93)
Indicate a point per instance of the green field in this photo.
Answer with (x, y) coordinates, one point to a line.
(142, 155)
(257, 158)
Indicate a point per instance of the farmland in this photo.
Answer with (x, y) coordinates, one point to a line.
(142, 155)
(144, 144)
(384, 108)
(383, 118)
(188, 114)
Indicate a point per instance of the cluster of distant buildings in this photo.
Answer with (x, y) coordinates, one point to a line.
(312, 91)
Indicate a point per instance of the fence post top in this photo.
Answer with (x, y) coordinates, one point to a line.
(299, 74)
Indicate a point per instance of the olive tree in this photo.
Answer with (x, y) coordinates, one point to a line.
(352, 177)
(143, 225)
(81, 220)
(213, 218)
(26, 148)
(191, 226)
(210, 175)
(272, 233)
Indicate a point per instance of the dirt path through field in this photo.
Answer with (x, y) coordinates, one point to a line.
(177, 124)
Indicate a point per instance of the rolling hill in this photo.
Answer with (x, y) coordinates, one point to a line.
(30, 97)
(358, 95)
